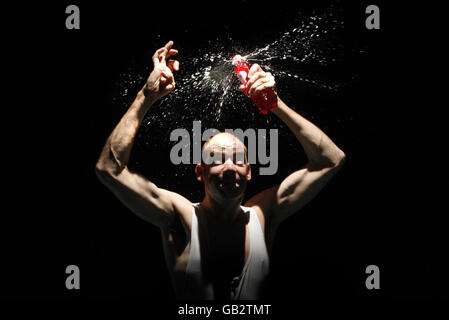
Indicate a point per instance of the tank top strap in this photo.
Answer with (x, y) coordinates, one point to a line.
(193, 283)
(194, 263)
(257, 265)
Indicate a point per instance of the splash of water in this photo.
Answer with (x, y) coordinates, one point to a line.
(206, 83)
(207, 87)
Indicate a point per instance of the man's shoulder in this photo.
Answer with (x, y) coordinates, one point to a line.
(259, 212)
(263, 200)
(182, 207)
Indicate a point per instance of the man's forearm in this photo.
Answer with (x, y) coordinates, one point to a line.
(319, 148)
(117, 150)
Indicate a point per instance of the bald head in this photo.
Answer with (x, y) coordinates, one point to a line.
(224, 170)
(224, 139)
(224, 142)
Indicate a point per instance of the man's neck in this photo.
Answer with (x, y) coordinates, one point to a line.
(227, 210)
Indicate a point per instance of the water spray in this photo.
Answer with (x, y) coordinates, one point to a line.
(264, 100)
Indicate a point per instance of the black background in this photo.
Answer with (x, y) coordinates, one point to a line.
(378, 210)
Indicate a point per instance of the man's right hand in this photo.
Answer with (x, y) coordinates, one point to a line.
(161, 81)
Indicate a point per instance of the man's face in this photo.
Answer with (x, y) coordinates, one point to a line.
(225, 170)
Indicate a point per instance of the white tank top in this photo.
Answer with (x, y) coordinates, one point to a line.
(249, 284)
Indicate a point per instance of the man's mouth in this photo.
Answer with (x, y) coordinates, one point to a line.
(231, 183)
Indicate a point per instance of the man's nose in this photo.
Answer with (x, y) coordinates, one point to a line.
(229, 172)
(229, 164)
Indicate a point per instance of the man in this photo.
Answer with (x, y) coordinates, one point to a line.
(216, 249)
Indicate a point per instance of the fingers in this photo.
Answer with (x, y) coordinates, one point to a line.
(171, 52)
(168, 45)
(259, 81)
(255, 77)
(254, 69)
(161, 55)
(256, 87)
(254, 74)
(167, 76)
(167, 79)
(166, 52)
(158, 55)
(173, 65)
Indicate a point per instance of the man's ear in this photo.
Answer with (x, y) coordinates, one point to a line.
(248, 175)
(199, 172)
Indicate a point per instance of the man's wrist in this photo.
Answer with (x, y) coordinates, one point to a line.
(279, 106)
(146, 98)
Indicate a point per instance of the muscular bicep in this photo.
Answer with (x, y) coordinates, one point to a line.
(292, 194)
(143, 197)
(298, 189)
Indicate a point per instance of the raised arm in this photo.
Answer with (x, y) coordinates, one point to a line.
(143, 197)
(324, 159)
